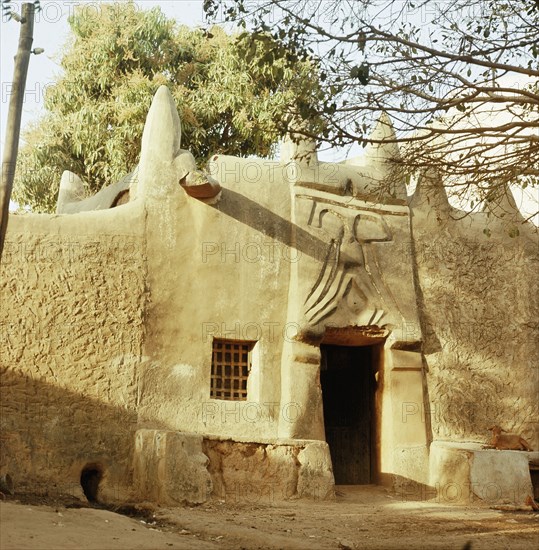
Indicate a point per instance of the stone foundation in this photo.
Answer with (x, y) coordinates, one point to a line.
(462, 473)
(177, 467)
(170, 468)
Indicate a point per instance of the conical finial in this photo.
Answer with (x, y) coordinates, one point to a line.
(501, 203)
(161, 138)
(161, 144)
(302, 150)
(71, 190)
(380, 159)
(383, 147)
(430, 192)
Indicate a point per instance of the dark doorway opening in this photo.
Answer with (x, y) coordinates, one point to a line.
(534, 474)
(90, 478)
(347, 377)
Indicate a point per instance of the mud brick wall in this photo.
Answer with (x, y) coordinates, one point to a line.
(71, 318)
(480, 314)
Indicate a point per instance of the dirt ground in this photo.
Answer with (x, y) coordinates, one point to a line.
(364, 517)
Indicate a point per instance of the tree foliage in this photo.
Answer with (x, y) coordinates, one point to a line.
(232, 98)
(459, 79)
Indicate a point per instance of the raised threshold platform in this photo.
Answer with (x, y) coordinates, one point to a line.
(465, 473)
(177, 467)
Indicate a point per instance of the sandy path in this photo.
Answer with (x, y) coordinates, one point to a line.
(361, 517)
(44, 528)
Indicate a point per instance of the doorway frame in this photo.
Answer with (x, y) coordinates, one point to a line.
(375, 338)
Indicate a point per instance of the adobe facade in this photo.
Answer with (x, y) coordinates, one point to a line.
(267, 328)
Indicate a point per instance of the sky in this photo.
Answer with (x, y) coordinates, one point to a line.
(51, 31)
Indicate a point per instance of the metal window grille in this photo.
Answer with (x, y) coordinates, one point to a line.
(230, 366)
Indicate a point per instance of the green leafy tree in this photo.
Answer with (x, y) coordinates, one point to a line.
(232, 97)
(458, 78)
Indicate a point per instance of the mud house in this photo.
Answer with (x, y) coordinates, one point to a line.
(267, 328)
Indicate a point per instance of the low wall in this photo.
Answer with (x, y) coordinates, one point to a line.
(463, 473)
(176, 467)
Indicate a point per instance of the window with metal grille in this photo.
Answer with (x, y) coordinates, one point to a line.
(230, 367)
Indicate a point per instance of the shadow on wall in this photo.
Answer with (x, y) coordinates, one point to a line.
(479, 300)
(466, 398)
(241, 208)
(54, 441)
